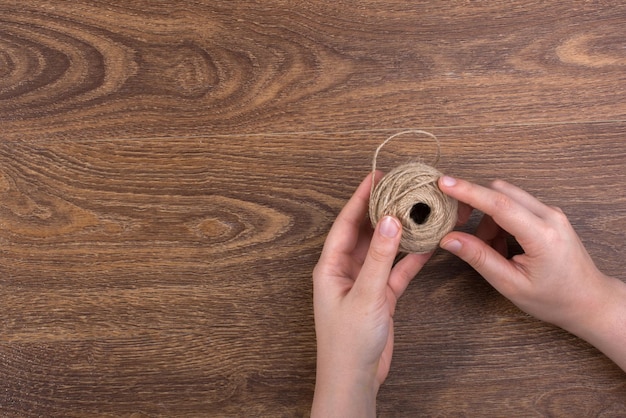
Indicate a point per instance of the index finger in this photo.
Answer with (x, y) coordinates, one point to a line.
(505, 210)
(344, 233)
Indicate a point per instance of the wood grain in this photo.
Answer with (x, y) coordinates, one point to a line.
(168, 173)
(124, 68)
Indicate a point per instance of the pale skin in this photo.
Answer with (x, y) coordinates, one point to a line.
(356, 285)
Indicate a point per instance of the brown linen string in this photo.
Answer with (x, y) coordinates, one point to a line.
(410, 193)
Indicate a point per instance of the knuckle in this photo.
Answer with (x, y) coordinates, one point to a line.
(497, 184)
(477, 259)
(556, 229)
(379, 253)
(502, 203)
(552, 237)
(557, 209)
(317, 271)
(326, 265)
(558, 216)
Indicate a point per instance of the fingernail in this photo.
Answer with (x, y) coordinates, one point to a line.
(452, 245)
(389, 227)
(448, 181)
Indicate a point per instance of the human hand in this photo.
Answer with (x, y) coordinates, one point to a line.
(356, 287)
(555, 279)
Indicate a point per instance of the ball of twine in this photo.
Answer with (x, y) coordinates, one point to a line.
(411, 194)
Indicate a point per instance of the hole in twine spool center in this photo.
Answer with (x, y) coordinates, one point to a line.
(419, 213)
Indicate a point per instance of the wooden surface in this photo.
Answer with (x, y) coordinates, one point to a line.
(169, 170)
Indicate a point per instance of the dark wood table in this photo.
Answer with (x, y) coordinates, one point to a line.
(169, 171)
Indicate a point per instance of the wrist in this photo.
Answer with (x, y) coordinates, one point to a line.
(604, 323)
(595, 308)
(344, 393)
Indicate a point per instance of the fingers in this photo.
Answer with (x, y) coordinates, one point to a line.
(463, 214)
(343, 235)
(496, 269)
(522, 197)
(491, 233)
(405, 270)
(506, 208)
(374, 275)
(512, 215)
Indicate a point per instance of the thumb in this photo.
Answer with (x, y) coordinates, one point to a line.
(382, 252)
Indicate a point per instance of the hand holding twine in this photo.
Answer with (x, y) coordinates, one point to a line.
(410, 193)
